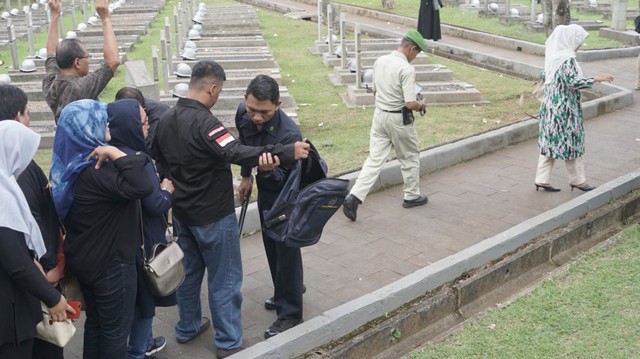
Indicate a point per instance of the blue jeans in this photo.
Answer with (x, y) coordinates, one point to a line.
(216, 247)
(141, 336)
(110, 301)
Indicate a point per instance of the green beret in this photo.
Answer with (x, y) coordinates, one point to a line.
(417, 39)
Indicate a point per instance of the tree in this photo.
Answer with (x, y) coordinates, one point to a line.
(556, 12)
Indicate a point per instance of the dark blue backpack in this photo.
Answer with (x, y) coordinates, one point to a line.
(305, 204)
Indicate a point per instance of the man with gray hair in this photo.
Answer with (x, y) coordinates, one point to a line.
(68, 78)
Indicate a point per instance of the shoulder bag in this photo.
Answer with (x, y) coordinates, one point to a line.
(163, 268)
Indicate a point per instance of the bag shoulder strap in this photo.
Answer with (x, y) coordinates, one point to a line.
(139, 204)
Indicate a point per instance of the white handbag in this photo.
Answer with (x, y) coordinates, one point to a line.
(58, 333)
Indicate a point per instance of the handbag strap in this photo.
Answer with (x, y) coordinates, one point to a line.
(144, 256)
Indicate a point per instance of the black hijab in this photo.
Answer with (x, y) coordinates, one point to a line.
(125, 125)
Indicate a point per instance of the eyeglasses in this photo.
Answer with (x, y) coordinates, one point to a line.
(85, 57)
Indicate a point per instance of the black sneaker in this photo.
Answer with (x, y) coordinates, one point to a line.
(350, 207)
(158, 344)
(420, 201)
(280, 326)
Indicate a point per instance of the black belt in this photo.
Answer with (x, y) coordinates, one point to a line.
(398, 111)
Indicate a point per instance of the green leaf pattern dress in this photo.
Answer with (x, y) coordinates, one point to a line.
(561, 132)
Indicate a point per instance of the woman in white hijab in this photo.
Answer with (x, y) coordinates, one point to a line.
(561, 134)
(22, 284)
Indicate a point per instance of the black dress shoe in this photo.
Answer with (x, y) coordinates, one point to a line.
(585, 187)
(350, 207)
(280, 326)
(547, 187)
(270, 304)
(420, 201)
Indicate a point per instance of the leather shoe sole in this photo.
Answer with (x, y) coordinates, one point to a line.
(204, 325)
(420, 201)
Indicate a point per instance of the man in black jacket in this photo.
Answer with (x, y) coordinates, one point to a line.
(260, 122)
(195, 150)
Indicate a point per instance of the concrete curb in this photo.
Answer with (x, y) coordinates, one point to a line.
(345, 319)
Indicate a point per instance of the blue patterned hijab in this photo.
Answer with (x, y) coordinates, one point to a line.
(81, 128)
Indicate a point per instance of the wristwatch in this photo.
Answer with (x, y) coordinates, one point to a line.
(166, 189)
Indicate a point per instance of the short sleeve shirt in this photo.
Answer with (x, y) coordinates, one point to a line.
(394, 80)
(60, 90)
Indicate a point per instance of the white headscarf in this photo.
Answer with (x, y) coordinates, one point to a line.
(561, 46)
(18, 144)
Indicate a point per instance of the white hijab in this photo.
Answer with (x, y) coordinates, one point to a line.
(18, 144)
(561, 46)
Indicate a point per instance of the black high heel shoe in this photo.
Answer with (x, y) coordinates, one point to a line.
(547, 187)
(585, 187)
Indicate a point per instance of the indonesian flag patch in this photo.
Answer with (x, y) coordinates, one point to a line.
(220, 135)
(225, 139)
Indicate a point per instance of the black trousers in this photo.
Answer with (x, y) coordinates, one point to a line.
(285, 264)
(20, 351)
(46, 350)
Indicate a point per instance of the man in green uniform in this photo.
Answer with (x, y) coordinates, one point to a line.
(394, 82)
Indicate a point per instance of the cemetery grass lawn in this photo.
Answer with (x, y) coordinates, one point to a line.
(589, 309)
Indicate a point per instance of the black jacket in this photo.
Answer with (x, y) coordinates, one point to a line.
(126, 135)
(22, 287)
(196, 149)
(103, 224)
(280, 129)
(33, 183)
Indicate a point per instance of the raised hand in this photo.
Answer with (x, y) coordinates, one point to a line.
(55, 6)
(102, 8)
